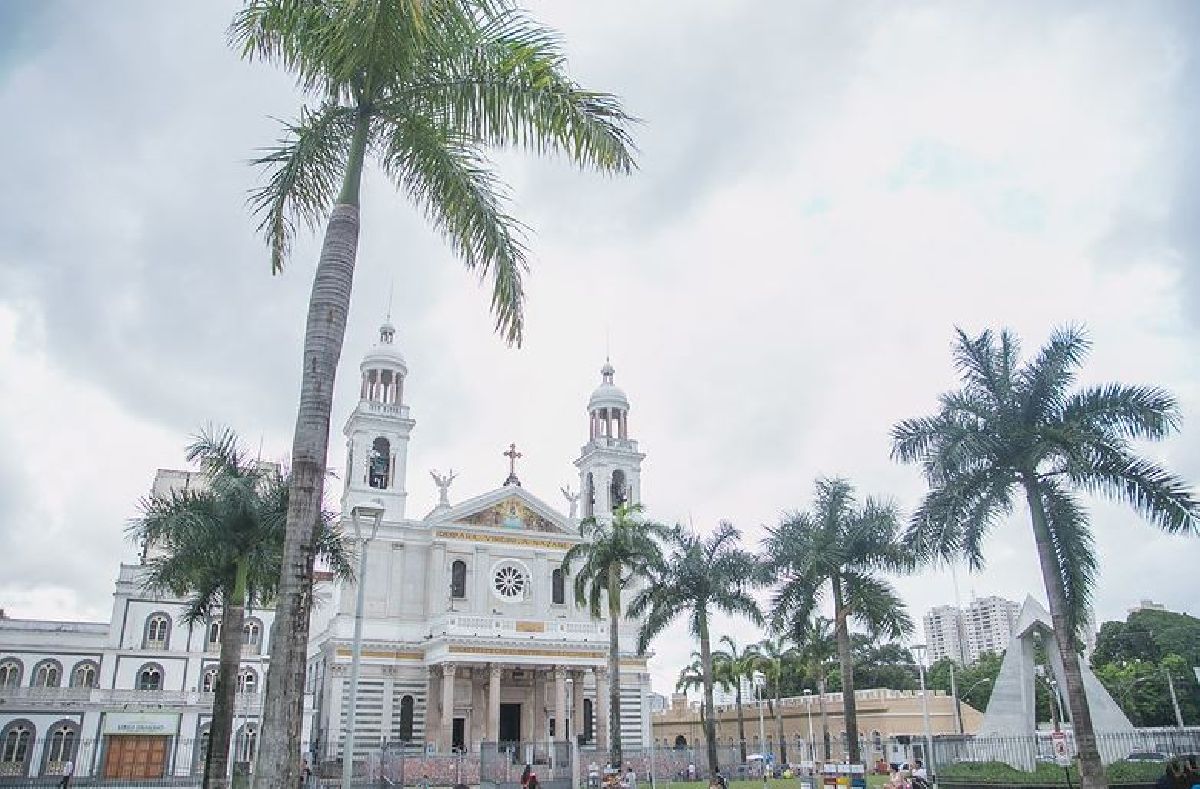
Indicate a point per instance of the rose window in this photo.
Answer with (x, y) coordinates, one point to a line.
(509, 581)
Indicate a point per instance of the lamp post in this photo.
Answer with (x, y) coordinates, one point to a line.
(760, 684)
(812, 747)
(372, 511)
(919, 650)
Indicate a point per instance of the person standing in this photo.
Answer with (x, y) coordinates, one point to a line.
(68, 771)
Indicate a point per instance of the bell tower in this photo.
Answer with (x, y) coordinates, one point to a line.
(610, 466)
(378, 430)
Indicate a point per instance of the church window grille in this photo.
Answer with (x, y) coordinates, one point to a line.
(10, 673)
(208, 684)
(379, 467)
(84, 675)
(214, 635)
(248, 681)
(14, 748)
(558, 591)
(158, 630)
(202, 752)
(246, 742)
(510, 581)
(150, 677)
(406, 718)
(252, 636)
(588, 720)
(62, 746)
(589, 497)
(47, 674)
(458, 579)
(619, 491)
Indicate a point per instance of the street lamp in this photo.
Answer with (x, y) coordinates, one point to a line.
(371, 512)
(812, 747)
(919, 652)
(760, 684)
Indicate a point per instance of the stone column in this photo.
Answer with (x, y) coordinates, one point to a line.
(576, 703)
(447, 729)
(539, 706)
(493, 719)
(560, 704)
(600, 718)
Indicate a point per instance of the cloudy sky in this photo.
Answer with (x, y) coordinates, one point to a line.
(825, 191)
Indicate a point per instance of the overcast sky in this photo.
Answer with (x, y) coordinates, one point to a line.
(825, 191)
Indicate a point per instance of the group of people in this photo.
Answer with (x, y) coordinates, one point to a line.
(916, 778)
(1181, 773)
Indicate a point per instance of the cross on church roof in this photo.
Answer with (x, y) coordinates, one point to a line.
(512, 454)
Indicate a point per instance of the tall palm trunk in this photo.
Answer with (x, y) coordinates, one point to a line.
(614, 665)
(737, 699)
(233, 616)
(779, 713)
(824, 714)
(283, 703)
(1091, 770)
(706, 671)
(846, 660)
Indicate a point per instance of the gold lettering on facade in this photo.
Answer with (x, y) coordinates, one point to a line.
(383, 653)
(504, 539)
(531, 627)
(513, 652)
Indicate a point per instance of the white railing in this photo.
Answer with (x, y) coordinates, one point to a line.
(513, 627)
(242, 701)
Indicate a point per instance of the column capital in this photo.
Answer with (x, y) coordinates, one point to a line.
(601, 672)
(448, 669)
(560, 673)
(494, 670)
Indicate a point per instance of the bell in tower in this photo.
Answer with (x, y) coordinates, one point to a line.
(378, 430)
(609, 464)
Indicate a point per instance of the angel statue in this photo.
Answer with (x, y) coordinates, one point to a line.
(443, 485)
(572, 497)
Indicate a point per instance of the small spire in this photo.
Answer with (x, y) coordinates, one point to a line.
(387, 333)
(606, 372)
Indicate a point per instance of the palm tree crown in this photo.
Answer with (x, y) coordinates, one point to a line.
(732, 665)
(699, 577)
(838, 550)
(1024, 427)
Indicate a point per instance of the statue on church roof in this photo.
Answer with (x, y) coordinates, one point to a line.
(572, 498)
(443, 485)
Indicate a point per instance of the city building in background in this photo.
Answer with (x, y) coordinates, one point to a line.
(963, 634)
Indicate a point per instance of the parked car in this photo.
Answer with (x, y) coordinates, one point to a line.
(1146, 756)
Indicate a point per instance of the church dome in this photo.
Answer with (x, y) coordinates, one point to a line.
(384, 354)
(608, 394)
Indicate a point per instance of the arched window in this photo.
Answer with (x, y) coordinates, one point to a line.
(877, 741)
(680, 742)
(47, 674)
(16, 742)
(589, 496)
(588, 720)
(379, 466)
(406, 719)
(10, 673)
(214, 635)
(84, 674)
(158, 632)
(208, 681)
(458, 579)
(558, 592)
(247, 681)
(150, 677)
(252, 636)
(618, 491)
(60, 747)
(245, 743)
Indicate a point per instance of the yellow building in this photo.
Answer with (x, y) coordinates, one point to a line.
(890, 722)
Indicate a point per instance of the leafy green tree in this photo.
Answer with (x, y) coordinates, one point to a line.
(882, 665)
(1022, 428)
(219, 546)
(700, 576)
(838, 551)
(423, 88)
(618, 551)
(775, 654)
(974, 682)
(733, 665)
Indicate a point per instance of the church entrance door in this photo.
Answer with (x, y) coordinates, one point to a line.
(510, 723)
(458, 735)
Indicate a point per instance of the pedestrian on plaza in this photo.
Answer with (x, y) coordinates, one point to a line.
(525, 774)
(68, 771)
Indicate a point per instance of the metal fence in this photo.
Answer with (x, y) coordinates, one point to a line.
(502, 763)
(1025, 752)
(664, 765)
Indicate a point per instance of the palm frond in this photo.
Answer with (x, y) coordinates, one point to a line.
(1074, 551)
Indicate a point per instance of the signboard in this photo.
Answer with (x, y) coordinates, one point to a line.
(141, 723)
(1062, 756)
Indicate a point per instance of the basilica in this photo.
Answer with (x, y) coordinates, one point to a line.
(470, 631)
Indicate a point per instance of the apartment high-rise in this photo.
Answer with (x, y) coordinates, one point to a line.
(963, 634)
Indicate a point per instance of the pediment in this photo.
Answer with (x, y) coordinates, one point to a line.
(510, 508)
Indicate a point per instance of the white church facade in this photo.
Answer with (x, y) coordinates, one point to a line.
(470, 630)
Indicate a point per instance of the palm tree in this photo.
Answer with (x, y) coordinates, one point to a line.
(219, 546)
(1024, 428)
(733, 665)
(838, 550)
(691, 677)
(699, 577)
(423, 88)
(617, 551)
(818, 649)
(774, 655)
